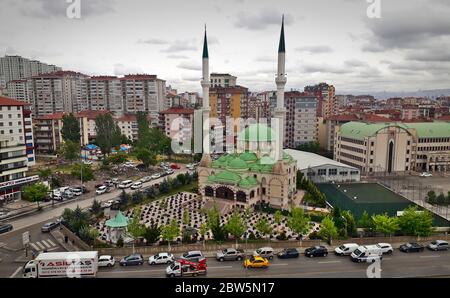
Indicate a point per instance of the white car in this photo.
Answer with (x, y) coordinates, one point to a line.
(106, 261)
(161, 258)
(87, 162)
(76, 191)
(156, 176)
(136, 185)
(101, 190)
(108, 203)
(386, 248)
(145, 179)
(426, 174)
(345, 249)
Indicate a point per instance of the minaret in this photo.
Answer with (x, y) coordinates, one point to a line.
(206, 109)
(281, 80)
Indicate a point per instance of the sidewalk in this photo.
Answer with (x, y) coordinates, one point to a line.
(60, 238)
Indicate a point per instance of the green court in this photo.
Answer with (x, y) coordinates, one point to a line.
(370, 197)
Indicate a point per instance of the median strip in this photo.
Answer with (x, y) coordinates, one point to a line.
(429, 257)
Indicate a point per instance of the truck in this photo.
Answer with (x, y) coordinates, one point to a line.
(367, 253)
(76, 264)
(230, 254)
(186, 268)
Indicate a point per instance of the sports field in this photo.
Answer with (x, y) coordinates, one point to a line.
(370, 197)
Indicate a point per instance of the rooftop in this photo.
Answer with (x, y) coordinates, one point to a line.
(307, 160)
(6, 101)
(177, 110)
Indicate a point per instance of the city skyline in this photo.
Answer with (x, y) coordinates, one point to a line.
(340, 44)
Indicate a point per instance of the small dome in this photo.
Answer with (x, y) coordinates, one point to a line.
(237, 164)
(266, 160)
(248, 156)
(227, 177)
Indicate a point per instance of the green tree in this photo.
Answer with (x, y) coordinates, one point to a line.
(70, 150)
(70, 130)
(35, 192)
(263, 226)
(385, 224)
(82, 171)
(152, 233)
(350, 222)
(94, 234)
(145, 156)
(143, 140)
(75, 219)
(328, 230)
(118, 158)
(170, 231)
(416, 223)
(278, 217)
(44, 173)
(313, 147)
(96, 207)
(214, 225)
(431, 197)
(298, 222)
(236, 226)
(440, 199)
(186, 217)
(108, 134)
(202, 231)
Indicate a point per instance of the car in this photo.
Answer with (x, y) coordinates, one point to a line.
(438, 245)
(156, 176)
(133, 259)
(386, 248)
(108, 204)
(101, 190)
(256, 262)
(169, 171)
(194, 256)
(265, 252)
(67, 194)
(4, 214)
(161, 258)
(108, 183)
(316, 251)
(426, 174)
(411, 247)
(190, 166)
(230, 254)
(87, 162)
(5, 228)
(345, 249)
(125, 184)
(76, 191)
(46, 228)
(106, 261)
(115, 180)
(136, 185)
(288, 253)
(175, 166)
(145, 179)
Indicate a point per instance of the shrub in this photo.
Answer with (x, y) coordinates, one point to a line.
(120, 242)
(282, 236)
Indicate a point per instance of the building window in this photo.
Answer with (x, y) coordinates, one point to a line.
(332, 172)
(322, 172)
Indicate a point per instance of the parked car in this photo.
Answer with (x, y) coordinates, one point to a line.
(109, 183)
(175, 166)
(316, 251)
(156, 176)
(386, 248)
(106, 261)
(87, 162)
(67, 194)
(136, 185)
(345, 249)
(256, 262)
(76, 191)
(190, 166)
(161, 258)
(230, 254)
(438, 245)
(426, 174)
(125, 184)
(115, 180)
(49, 226)
(367, 253)
(5, 228)
(412, 247)
(265, 252)
(4, 214)
(101, 190)
(145, 179)
(193, 256)
(133, 259)
(169, 171)
(288, 253)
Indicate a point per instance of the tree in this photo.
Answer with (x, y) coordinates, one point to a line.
(143, 140)
(186, 217)
(385, 224)
(202, 231)
(108, 134)
(118, 158)
(214, 225)
(145, 156)
(440, 199)
(152, 233)
(164, 186)
(313, 147)
(298, 222)
(70, 150)
(182, 178)
(278, 217)
(135, 228)
(416, 223)
(236, 226)
(350, 222)
(75, 219)
(93, 234)
(170, 231)
(263, 226)
(36, 192)
(124, 198)
(431, 197)
(44, 173)
(159, 142)
(328, 230)
(82, 171)
(96, 207)
(340, 222)
(70, 130)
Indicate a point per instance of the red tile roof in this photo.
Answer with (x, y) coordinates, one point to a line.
(102, 78)
(91, 114)
(375, 118)
(176, 110)
(343, 117)
(6, 101)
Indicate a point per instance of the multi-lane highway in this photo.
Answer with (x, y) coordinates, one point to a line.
(426, 264)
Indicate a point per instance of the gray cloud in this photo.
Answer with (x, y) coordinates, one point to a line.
(261, 20)
(153, 41)
(265, 59)
(57, 9)
(189, 66)
(325, 68)
(180, 46)
(355, 63)
(319, 49)
(434, 54)
(174, 56)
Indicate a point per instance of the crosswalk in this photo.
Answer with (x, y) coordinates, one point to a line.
(46, 244)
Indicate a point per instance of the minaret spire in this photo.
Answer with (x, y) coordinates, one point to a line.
(280, 80)
(281, 46)
(205, 46)
(205, 107)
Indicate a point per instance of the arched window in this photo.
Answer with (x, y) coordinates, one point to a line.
(209, 191)
(241, 196)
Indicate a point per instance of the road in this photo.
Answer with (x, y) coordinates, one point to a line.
(11, 248)
(397, 265)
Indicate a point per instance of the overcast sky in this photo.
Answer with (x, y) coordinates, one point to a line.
(408, 48)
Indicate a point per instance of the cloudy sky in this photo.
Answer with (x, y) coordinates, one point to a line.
(406, 49)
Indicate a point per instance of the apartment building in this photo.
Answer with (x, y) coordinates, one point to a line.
(326, 101)
(17, 68)
(105, 93)
(224, 80)
(394, 147)
(177, 124)
(18, 90)
(16, 148)
(129, 127)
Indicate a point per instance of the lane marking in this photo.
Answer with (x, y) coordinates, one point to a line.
(278, 264)
(34, 246)
(153, 270)
(51, 242)
(46, 244)
(15, 272)
(40, 245)
(328, 262)
(429, 257)
(52, 249)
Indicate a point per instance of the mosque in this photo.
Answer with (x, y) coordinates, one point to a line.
(258, 171)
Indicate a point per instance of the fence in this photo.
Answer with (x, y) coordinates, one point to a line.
(74, 239)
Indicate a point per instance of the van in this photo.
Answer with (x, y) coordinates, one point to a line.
(193, 256)
(125, 184)
(265, 252)
(345, 249)
(136, 185)
(367, 253)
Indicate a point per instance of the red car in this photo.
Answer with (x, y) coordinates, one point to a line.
(174, 166)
